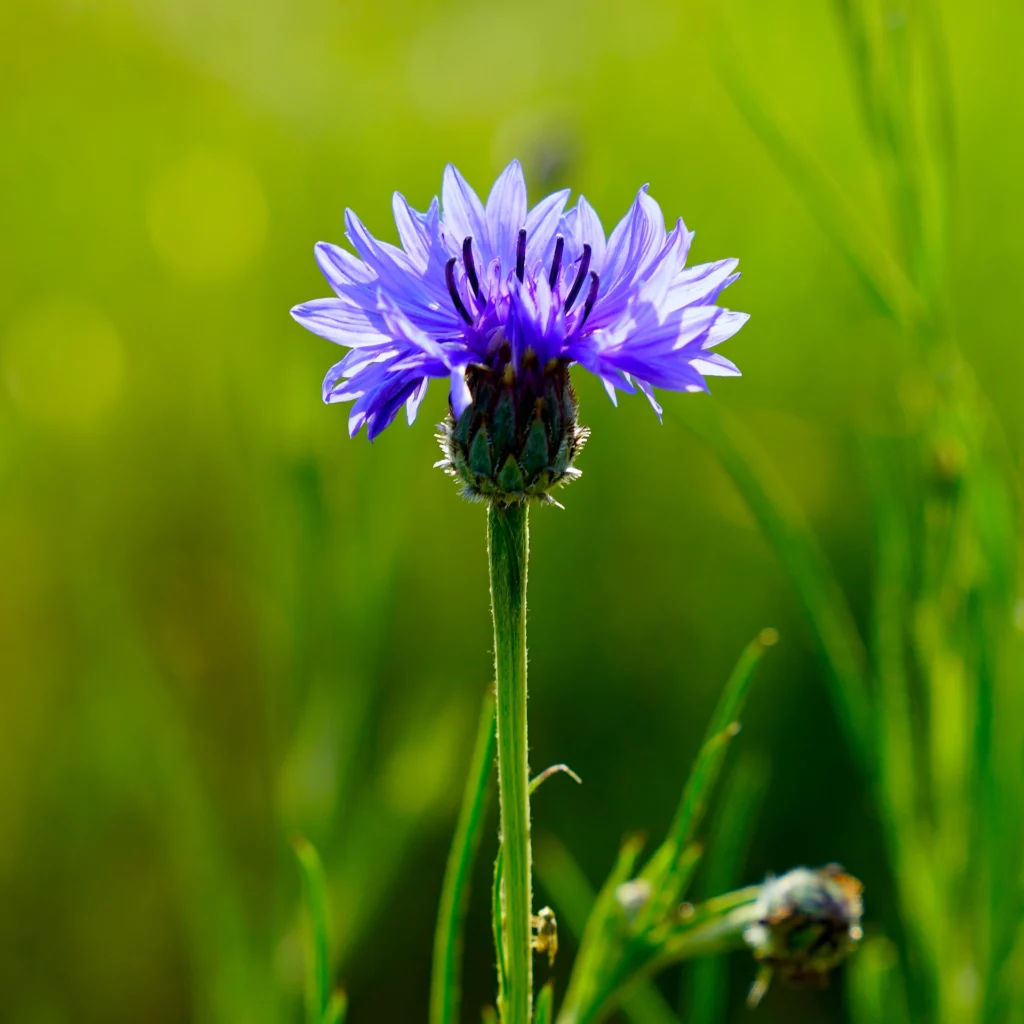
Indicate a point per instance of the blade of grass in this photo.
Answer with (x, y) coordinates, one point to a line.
(910, 848)
(664, 865)
(229, 962)
(599, 936)
(727, 850)
(543, 1012)
(318, 986)
(446, 980)
(837, 216)
(337, 1009)
(796, 547)
(573, 895)
(876, 992)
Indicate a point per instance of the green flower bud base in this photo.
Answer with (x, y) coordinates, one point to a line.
(518, 438)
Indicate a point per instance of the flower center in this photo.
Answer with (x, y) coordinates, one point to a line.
(553, 277)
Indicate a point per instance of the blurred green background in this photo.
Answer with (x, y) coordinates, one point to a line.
(222, 622)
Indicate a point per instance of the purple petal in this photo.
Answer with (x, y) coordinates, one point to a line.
(401, 326)
(635, 242)
(582, 226)
(341, 322)
(461, 396)
(506, 212)
(711, 364)
(463, 216)
(393, 267)
(412, 405)
(649, 392)
(665, 268)
(346, 274)
(542, 224)
(725, 327)
(702, 284)
(418, 231)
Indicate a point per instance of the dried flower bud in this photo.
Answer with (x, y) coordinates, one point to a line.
(807, 921)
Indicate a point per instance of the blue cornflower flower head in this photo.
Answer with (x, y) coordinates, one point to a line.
(501, 300)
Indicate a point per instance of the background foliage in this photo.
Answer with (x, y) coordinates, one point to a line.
(222, 622)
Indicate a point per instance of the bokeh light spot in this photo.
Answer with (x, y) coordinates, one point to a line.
(207, 217)
(63, 364)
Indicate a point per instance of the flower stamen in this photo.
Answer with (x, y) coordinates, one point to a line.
(521, 255)
(556, 263)
(467, 260)
(588, 305)
(460, 306)
(578, 283)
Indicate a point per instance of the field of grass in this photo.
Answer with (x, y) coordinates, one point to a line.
(224, 624)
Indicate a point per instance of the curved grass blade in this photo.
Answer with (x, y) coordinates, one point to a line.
(726, 852)
(555, 769)
(876, 990)
(600, 934)
(337, 1009)
(314, 886)
(666, 871)
(543, 1012)
(569, 889)
(572, 894)
(446, 980)
(869, 257)
(797, 549)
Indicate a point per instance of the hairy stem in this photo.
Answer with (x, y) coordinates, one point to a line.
(507, 548)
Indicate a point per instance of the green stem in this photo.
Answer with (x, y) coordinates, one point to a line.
(446, 981)
(508, 548)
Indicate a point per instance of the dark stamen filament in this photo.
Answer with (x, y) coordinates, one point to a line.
(467, 259)
(521, 254)
(556, 263)
(588, 305)
(460, 306)
(578, 283)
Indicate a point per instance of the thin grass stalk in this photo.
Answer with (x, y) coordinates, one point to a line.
(574, 897)
(446, 981)
(318, 959)
(727, 850)
(825, 604)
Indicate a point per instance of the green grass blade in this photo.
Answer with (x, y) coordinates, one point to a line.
(543, 1012)
(663, 871)
(314, 885)
(910, 846)
(727, 850)
(337, 1009)
(569, 890)
(446, 980)
(837, 216)
(875, 989)
(599, 936)
(646, 1005)
(573, 896)
(796, 547)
